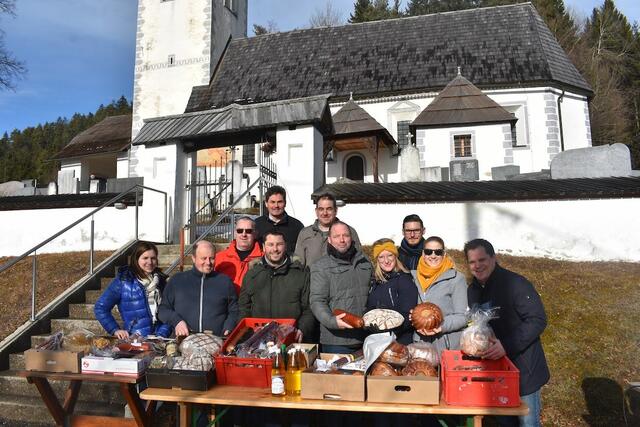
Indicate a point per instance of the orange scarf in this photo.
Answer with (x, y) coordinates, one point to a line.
(427, 275)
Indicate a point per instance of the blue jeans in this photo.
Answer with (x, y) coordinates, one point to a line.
(532, 419)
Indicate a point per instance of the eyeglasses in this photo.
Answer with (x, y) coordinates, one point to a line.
(244, 230)
(438, 252)
(413, 231)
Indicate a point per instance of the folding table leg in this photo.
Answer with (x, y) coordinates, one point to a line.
(50, 400)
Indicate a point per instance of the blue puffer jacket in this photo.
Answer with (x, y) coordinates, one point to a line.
(129, 295)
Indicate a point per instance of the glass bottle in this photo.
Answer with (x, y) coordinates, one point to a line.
(277, 374)
(293, 380)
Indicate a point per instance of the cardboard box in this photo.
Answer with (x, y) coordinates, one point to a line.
(53, 361)
(180, 379)
(332, 386)
(108, 365)
(419, 389)
(310, 352)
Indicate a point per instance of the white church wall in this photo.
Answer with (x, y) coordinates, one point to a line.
(388, 165)
(177, 45)
(436, 147)
(300, 168)
(540, 228)
(23, 229)
(537, 132)
(122, 165)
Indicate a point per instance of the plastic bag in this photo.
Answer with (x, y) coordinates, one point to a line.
(475, 339)
(201, 344)
(78, 340)
(395, 354)
(194, 362)
(52, 342)
(424, 351)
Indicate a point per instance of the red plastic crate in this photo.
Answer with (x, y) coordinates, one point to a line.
(249, 372)
(496, 384)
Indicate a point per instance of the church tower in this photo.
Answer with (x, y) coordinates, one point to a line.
(178, 44)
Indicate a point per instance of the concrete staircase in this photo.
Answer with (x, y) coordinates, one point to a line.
(20, 403)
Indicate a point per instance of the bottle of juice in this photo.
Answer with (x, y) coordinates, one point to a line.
(293, 382)
(277, 373)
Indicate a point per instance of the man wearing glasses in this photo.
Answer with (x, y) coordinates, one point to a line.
(234, 261)
(411, 246)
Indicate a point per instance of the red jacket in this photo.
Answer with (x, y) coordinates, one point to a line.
(228, 263)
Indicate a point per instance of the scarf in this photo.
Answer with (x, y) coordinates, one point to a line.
(150, 284)
(427, 274)
(346, 256)
(414, 253)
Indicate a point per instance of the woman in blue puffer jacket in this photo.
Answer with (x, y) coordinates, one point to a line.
(136, 291)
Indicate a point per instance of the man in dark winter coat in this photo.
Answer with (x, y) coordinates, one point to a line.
(339, 280)
(521, 320)
(200, 299)
(412, 243)
(276, 218)
(277, 287)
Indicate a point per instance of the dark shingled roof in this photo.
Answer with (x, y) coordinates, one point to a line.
(503, 46)
(111, 135)
(461, 103)
(353, 120)
(447, 191)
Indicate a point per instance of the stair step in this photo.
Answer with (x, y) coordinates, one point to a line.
(107, 393)
(70, 325)
(168, 250)
(170, 259)
(24, 409)
(105, 281)
(90, 297)
(16, 361)
(85, 311)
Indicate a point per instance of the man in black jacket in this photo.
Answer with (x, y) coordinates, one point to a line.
(200, 299)
(276, 286)
(521, 320)
(276, 218)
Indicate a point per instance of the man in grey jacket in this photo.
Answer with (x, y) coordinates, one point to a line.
(312, 240)
(339, 280)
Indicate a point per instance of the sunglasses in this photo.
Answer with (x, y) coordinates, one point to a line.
(438, 252)
(244, 230)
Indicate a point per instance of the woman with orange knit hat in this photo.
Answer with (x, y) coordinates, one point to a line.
(392, 287)
(440, 283)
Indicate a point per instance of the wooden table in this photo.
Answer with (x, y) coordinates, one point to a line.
(63, 413)
(262, 398)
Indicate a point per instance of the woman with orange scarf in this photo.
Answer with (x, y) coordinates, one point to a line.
(440, 283)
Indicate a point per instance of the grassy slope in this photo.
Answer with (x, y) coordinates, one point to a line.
(56, 272)
(591, 342)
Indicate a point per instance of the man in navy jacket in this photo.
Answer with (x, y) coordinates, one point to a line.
(521, 320)
(200, 299)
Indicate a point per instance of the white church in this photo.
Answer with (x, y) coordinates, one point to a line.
(457, 116)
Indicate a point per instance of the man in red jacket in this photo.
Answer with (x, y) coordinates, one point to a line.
(234, 261)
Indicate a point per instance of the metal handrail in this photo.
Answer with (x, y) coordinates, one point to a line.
(215, 223)
(210, 202)
(34, 250)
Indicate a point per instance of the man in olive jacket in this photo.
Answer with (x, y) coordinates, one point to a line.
(339, 280)
(275, 286)
(312, 240)
(520, 322)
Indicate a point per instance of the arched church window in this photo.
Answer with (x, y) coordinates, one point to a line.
(355, 168)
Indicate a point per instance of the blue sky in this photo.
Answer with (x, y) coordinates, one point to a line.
(80, 53)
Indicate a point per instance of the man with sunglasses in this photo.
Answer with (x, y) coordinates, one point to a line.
(244, 248)
(412, 243)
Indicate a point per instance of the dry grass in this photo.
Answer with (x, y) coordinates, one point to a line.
(56, 272)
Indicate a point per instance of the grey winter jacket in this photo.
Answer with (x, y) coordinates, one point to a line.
(312, 243)
(449, 292)
(339, 284)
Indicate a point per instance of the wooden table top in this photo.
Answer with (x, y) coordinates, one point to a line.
(260, 397)
(64, 376)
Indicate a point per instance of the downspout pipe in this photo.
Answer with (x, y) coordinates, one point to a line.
(560, 120)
